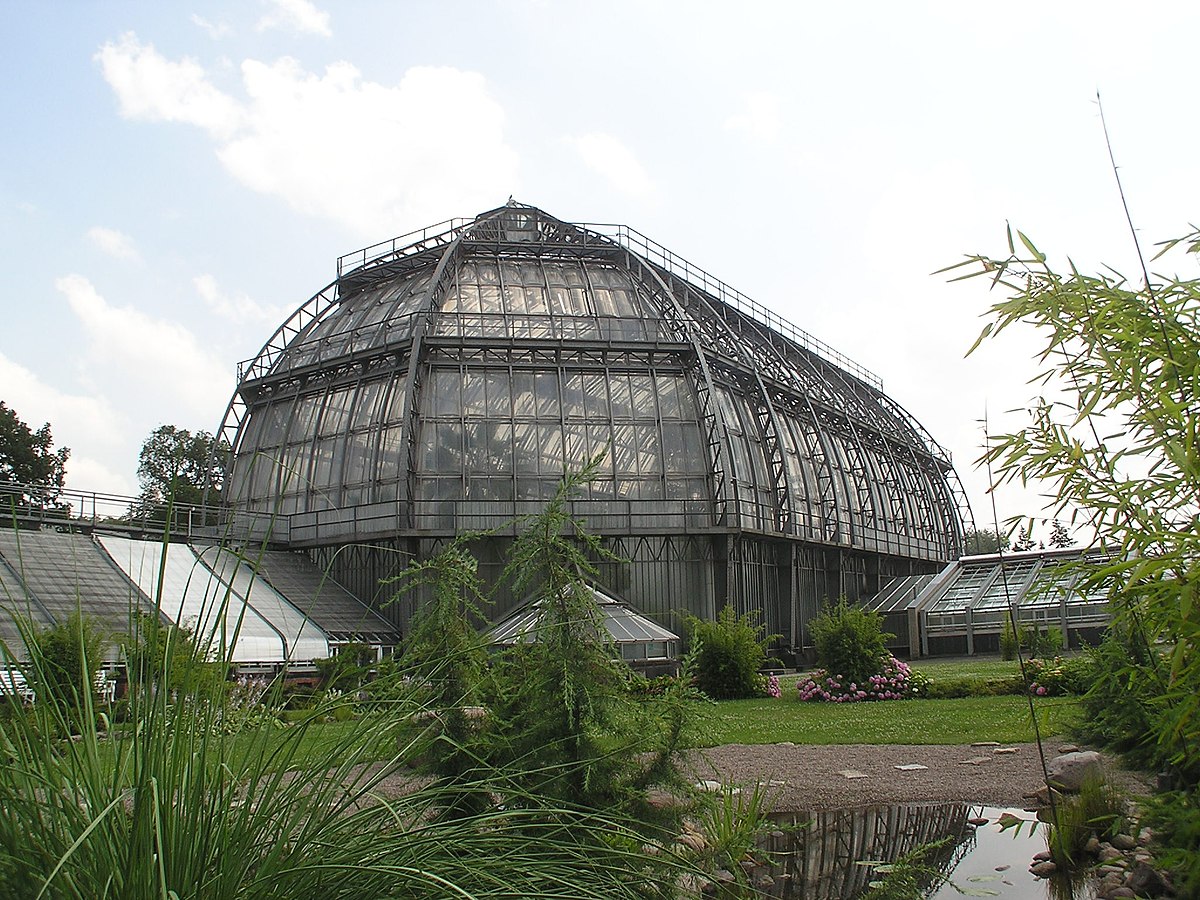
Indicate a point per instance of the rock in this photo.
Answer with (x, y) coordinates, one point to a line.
(1119, 893)
(1068, 748)
(1069, 771)
(1109, 854)
(1093, 845)
(1145, 881)
(910, 767)
(1004, 751)
(1123, 842)
(1145, 836)
(764, 883)
(1042, 855)
(1043, 869)
(851, 773)
(976, 760)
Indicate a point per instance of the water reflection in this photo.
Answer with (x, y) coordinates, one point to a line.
(816, 856)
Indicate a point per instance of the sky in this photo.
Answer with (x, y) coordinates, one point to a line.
(177, 178)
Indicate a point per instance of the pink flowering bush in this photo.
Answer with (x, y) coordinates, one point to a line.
(895, 681)
(768, 686)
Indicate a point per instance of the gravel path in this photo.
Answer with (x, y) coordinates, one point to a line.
(813, 777)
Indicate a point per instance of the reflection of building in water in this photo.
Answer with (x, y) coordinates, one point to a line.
(819, 858)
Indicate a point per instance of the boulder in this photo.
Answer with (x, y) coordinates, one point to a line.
(1145, 881)
(1069, 771)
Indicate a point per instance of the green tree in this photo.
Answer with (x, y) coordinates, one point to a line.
(64, 660)
(1120, 448)
(984, 540)
(30, 470)
(1060, 536)
(176, 466)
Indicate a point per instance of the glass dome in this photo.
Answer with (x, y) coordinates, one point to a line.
(447, 378)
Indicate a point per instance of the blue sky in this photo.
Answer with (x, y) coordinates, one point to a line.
(176, 178)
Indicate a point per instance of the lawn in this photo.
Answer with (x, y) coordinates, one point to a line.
(961, 721)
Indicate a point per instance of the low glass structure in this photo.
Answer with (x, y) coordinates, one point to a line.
(446, 380)
(965, 608)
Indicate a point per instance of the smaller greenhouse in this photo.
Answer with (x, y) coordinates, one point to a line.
(643, 644)
(964, 608)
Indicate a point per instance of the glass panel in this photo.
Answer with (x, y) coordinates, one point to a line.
(522, 394)
(642, 394)
(546, 389)
(525, 444)
(595, 396)
(572, 397)
(668, 396)
(550, 450)
(444, 386)
(472, 394)
(390, 452)
(499, 405)
(624, 452)
(366, 405)
(649, 450)
(620, 399)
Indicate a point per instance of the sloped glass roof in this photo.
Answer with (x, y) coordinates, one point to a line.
(621, 622)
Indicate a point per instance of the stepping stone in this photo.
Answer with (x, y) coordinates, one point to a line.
(910, 767)
(986, 744)
(1000, 751)
(850, 773)
(975, 761)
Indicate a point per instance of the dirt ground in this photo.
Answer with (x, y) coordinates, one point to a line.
(802, 777)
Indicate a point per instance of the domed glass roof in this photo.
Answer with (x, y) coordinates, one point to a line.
(446, 379)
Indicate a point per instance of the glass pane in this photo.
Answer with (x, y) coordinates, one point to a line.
(444, 386)
(595, 396)
(499, 406)
(620, 399)
(472, 394)
(522, 394)
(546, 388)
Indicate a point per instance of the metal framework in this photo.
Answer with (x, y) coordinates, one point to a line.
(447, 378)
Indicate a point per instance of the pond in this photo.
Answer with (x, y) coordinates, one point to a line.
(821, 855)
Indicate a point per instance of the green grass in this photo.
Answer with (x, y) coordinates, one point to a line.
(961, 721)
(963, 667)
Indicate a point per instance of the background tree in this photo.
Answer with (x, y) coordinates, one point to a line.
(1121, 449)
(1060, 536)
(984, 540)
(27, 459)
(1024, 542)
(175, 464)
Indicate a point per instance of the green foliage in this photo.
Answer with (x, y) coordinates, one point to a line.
(913, 876)
(26, 459)
(967, 686)
(165, 656)
(1052, 677)
(728, 652)
(65, 661)
(1095, 811)
(348, 668)
(1009, 642)
(978, 541)
(1175, 818)
(175, 467)
(850, 641)
(283, 812)
(1120, 450)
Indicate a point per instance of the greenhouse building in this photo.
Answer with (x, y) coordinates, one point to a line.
(445, 381)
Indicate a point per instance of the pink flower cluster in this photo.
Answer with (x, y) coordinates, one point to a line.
(894, 682)
(773, 689)
(1039, 689)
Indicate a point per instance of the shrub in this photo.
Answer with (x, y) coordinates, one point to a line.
(850, 641)
(729, 653)
(1053, 677)
(974, 686)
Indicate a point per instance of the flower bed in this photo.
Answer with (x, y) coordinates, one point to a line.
(895, 681)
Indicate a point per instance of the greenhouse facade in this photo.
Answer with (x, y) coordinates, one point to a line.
(445, 381)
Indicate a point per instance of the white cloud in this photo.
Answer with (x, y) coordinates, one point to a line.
(760, 119)
(237, 308)
(160, 362)
(379, 159)
(87, 424)
(115, 243)
(296, 15)
(607, 156)
(153, 88)
(215, 30)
